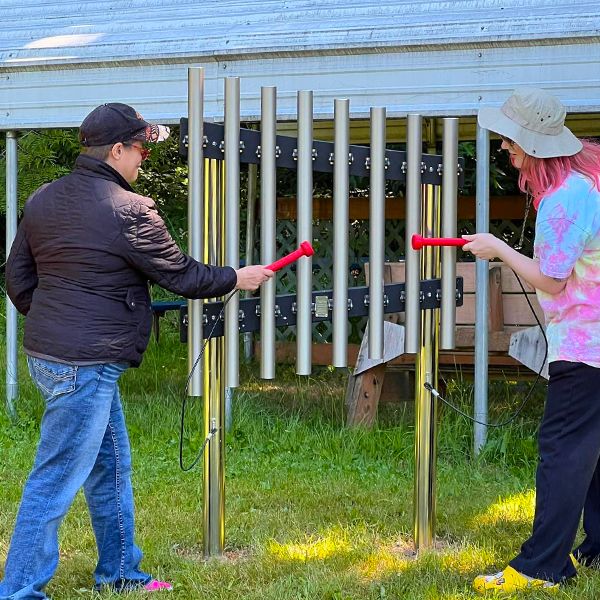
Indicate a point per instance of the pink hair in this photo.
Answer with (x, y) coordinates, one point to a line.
(540, 176)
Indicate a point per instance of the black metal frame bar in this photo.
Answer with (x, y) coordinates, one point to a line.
(358, 306)
(359, 156)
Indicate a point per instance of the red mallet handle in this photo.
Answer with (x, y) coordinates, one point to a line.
(418, 241)
(305, 249)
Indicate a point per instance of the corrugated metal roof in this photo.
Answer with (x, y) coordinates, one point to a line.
(44, 33)
(60, 59)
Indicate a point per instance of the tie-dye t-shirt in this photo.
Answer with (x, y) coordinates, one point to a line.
(567, 245)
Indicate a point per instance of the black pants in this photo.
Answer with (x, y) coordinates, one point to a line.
(568, 475)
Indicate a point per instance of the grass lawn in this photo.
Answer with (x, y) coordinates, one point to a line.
(313, 510)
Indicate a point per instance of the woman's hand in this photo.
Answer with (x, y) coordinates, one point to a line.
(249, 278)
(485, 245)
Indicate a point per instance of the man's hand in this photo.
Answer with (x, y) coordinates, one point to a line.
(249, 278)
(484, 245)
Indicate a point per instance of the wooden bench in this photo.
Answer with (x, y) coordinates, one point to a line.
(508, 313)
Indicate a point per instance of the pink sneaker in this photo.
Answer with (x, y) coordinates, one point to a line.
(158, 586)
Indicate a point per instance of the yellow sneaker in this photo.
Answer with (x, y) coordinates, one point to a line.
(510, 581)
(575, 562)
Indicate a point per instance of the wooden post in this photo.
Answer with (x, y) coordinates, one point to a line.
(362, 397)
(364, 386)
(496, 317)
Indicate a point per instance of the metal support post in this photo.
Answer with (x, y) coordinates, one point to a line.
(482, 223)
(426, 371)
(12, 382)
(214, 381)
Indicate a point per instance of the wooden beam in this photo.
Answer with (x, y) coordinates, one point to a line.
(322, 354)
(501, 207)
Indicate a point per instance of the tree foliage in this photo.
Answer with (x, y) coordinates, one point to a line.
(503, 177)
(164, 178)
(43, 156)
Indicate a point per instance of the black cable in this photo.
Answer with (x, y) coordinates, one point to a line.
(433, 391)
(213, 429)
(426, 385)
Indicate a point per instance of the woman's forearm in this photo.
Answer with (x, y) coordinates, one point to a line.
(529, 269)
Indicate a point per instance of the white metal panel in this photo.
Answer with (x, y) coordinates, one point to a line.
(62, 98)
(454, 82)
(59, 59)
(52, 32)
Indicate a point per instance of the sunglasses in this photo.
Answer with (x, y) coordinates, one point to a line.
(145, 152)
(507, 140)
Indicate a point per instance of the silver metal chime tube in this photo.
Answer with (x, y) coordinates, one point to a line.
(12, 382)
(268, 178)
(232, 235)
(232, 226)
(250, 233)
(305, 217)
(195, 216)
(341, 193)
(376, 232)
(449, 228)
(413, 225)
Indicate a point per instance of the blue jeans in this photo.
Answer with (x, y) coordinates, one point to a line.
(83, 442)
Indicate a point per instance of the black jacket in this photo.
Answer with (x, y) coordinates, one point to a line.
(79, 267)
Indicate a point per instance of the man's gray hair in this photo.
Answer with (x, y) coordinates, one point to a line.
(99, 152)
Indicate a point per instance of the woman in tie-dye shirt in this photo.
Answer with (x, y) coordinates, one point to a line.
(562, 175)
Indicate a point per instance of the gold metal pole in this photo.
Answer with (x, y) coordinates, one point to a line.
(426, 370)
(214, 374)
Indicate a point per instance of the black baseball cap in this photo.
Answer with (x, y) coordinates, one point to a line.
(116, 122)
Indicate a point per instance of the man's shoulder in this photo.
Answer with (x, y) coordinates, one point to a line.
(127, 203)
(41, 192)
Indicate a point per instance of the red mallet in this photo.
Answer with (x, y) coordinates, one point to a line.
(418, 241)
(305, 249)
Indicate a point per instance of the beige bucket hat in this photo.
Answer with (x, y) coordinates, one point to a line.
(535, 120)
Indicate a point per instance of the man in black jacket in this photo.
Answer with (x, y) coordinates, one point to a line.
(79, 268)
